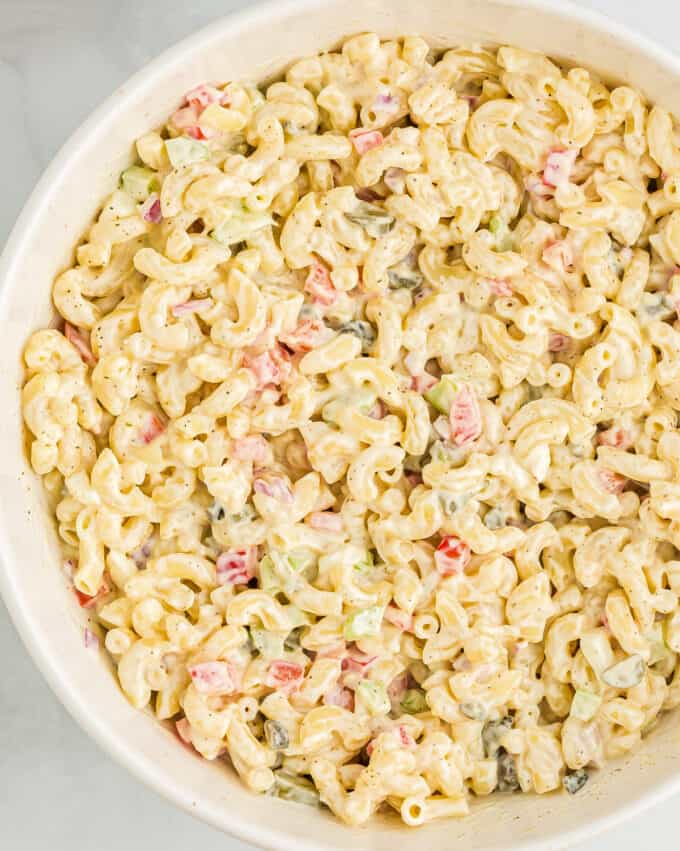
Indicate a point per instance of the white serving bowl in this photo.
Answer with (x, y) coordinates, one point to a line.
(254, 45)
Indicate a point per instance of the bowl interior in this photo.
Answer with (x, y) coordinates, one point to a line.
(255, 46)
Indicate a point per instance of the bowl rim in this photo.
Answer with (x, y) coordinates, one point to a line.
(140, 765)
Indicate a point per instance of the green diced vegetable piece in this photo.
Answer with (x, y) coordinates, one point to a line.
(303, 562)
(276, 735)
(267, 644)
(584, 705)
(442, 394)
(493, 732)
(574, 781)
(364, 623)
(508, 781)
(366, 563)
(495, 224)
(139, 182)
(402, 277)
(183, 151)
(499, 228)
(240, 226)
(414, 701)
(374, 697)
(269, 581)
(361, 329)
(289, 567)
(292, 640)
(625, 674)
(291, 787)
(372, 218)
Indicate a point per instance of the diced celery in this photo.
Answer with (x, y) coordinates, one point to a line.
(574, 781)
(269, 581)
(364, 623)
(366, 563)
(304, 563)
(414, 701)
(183, 151)
(374, 697)
(499, 228)
(240, 226)
(443, 393)
(292, 787)
(625, 674)
(267, 644)
(584, 705)
(495, 223)
(139, 182)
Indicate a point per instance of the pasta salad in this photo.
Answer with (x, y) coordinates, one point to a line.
(361, 426)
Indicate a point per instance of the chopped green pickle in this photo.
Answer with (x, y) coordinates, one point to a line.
(372, 218)
(268, 644)
(276, 735)
(414, 701)
(574, 781)
(292, 787)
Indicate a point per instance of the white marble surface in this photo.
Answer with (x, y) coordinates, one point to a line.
(58, 60)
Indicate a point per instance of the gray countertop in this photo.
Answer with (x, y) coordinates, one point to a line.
(58, 60)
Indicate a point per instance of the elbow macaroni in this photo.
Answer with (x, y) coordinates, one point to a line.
(363, 425)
